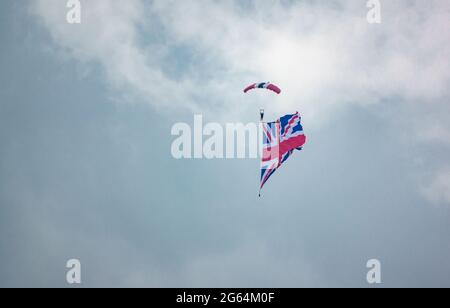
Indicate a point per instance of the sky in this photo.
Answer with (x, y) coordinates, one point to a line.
(86, 170)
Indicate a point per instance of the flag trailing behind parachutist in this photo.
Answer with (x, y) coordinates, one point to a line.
(280, 140)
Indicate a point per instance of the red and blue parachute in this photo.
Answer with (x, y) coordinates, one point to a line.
(263, 85)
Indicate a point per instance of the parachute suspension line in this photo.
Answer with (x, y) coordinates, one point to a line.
(261, 112)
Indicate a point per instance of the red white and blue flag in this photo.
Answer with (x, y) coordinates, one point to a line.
(280, 140)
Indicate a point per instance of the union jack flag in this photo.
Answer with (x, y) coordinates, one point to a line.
(280, 140)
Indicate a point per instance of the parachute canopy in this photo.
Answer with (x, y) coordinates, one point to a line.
(263, 85)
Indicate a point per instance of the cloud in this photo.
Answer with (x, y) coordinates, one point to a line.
(438, 190)
(109, 36)
(199, 54)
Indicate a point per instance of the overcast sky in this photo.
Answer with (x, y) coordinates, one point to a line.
(86, 171)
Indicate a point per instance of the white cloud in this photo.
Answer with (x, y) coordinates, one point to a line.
(200, 54)
(326, 57)
(438, 190)
(109, 35)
